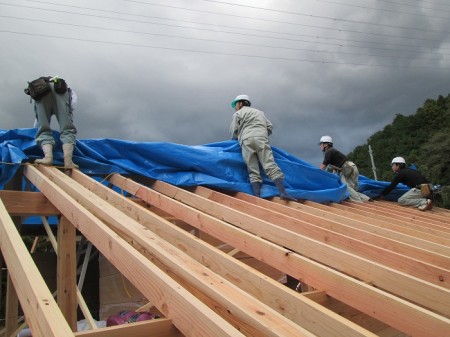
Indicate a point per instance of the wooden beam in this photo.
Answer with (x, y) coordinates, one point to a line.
(188, 314)
(398, 313)
(41, 311)
(67, 272)
(400, 224)
(27, 203)
(389, 279)
(409, 215)
(81, 302)
(252, 317)
(160, 327)
(345, 225)
(11, 307)
(285, 217)
(373, 224)
(286, 301)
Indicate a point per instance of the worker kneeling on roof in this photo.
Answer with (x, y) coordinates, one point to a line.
(420, 190)
(346, 169)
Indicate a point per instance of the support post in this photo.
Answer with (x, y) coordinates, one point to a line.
(66, 272)
(374, 169)
(12, 307)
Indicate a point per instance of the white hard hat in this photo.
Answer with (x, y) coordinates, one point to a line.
(398, 160)
(326, 139)
(240, 98)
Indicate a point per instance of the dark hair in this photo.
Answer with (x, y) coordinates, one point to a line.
(246, 103)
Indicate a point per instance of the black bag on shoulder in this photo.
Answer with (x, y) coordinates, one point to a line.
(38, 88)
(60, 86)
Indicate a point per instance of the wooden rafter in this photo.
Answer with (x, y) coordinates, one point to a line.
(375, 269)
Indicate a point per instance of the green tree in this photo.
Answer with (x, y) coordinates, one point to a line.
(422, 139)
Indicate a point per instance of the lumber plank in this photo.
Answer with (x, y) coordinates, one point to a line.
(81, 302)
(406, 227)
(252, 317)
(11, 307)
(66, 275)
(416, 290)
(161, 327)
(386, 228)
(283, 218)
(41, 311)
(188, 314)
(349, 290)
(411, 214)
(27, 203)
(357, 229)
(293, 305)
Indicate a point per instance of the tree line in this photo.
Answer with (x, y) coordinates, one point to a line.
(423, 139)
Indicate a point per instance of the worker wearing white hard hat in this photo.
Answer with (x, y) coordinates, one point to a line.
(347, 169)
(420, 191)
(252, 129)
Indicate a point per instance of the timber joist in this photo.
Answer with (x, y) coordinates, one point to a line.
(374, 269)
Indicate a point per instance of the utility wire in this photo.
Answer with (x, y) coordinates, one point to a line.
(223, 53)
(161, 18)
(254, 7)
(412, 5)
(286, 12)
(246, 43)
(389, 10)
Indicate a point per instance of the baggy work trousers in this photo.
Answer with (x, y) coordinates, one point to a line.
(256, 150)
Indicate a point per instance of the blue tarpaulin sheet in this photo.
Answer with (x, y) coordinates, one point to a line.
(217, 165)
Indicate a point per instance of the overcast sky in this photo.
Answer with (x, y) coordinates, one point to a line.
(167, 70)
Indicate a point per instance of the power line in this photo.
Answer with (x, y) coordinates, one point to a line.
(412, 5)
(222, 53)
(259, 19)
(266, 31)
(292, 13)
(227, 42)
(388, 10)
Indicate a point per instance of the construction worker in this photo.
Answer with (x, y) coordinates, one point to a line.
(252, 129)
(414, 180)
(339, 163)
(73, 100)
(55, 102)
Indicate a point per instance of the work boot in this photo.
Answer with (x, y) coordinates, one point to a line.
(48, 155)
(256, 187)
(68, 153)
(427, 206)
(279, 183)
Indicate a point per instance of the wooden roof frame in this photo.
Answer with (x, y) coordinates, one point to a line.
(373, 274)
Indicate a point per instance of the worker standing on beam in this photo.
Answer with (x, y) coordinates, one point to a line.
(252, 129)
(51, 97)
(347, 170)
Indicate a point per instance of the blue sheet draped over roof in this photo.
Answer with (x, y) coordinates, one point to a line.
(217, 165)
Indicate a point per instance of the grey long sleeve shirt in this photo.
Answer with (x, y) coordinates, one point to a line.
(249, 122)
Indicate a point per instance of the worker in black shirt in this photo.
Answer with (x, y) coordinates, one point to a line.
(347, 170)
(411, 178)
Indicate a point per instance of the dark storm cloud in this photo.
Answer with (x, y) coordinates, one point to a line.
(147, 86)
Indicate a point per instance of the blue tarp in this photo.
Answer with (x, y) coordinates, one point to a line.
(217, 165)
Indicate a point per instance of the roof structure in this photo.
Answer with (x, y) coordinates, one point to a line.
(373, 269)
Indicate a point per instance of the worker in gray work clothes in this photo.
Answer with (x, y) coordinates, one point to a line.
(73, 101)
(54, 99)
(347, 169)
(252, 129)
